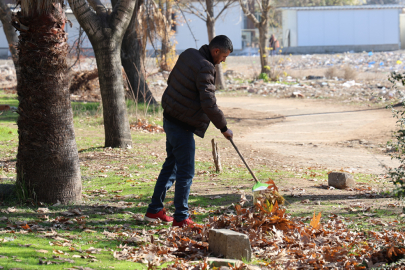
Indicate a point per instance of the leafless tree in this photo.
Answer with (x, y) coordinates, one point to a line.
(204, 10)
(263, 7)
(133, 50)
(11, 34)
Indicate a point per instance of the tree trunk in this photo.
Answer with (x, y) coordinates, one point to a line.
(116, 125)
(263, 36)
(220, 80)
(165, 50)
(133, 61)
(11, 35)
(105, 30)
(47, 160)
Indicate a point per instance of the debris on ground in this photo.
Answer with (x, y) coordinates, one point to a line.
(144, 125)
(85, 85)
(283, 242)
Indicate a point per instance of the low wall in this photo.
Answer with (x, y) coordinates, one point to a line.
(339, 49)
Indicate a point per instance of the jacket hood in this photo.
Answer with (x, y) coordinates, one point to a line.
(205, 51)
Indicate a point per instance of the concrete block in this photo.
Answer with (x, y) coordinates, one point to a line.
(217, 262)
(340, 180)
(230, 244)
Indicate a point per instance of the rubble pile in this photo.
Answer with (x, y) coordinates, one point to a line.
(8, 77)
(349, 77)
(346, 90)
(365, 61)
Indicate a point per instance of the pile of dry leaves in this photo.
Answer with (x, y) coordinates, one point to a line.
(144, 125)
(278, 240)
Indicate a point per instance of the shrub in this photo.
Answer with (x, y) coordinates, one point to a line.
(397, 144)
(331, 72)
(349, 73)
(264, 76)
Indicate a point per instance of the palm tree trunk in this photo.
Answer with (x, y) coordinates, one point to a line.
(11, 35)
(47, 160)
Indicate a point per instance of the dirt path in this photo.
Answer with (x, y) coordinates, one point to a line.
(313, 132)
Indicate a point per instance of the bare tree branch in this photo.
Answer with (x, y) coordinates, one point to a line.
(205, 9)
(227, 5)
(193, 10)
(260, 5)
(189, 28)
(98, 7)
(86, 16)
(248, 13)
(121, 16)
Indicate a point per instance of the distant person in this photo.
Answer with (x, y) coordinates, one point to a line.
(274, 45)
(189, 106)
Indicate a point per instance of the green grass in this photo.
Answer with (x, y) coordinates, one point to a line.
(8, 117)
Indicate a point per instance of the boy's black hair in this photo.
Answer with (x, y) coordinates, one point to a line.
(221, 42)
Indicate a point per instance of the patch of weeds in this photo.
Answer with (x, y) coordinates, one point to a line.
(7, 133)
(82, 109)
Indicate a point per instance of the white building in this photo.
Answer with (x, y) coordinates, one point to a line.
(230, 24)
(341, 28)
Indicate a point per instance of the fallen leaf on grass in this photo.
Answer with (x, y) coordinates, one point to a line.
(57, 203)
(72, 212)
(43, 210)
(93, 250)
(315, 222)
(11, 209)
(42, 251)
(56, 251)
(63, 259)
(26, 227)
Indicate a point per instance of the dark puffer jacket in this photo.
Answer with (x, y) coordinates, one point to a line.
(189, 99)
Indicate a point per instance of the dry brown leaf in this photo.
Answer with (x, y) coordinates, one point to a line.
(315, 222)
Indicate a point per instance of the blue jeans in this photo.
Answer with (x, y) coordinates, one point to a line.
(178, 167)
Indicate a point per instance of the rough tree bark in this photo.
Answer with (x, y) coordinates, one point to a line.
(105, 31)
(11, 35)
(220, 80)
(262, 26)
(209, 18)
(166, 8)
(133, 60)
(47, 159)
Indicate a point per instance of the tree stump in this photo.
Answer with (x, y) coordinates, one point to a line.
(215, 154)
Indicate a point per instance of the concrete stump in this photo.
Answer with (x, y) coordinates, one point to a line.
(340, 180)
(217, 262)
(230, 244)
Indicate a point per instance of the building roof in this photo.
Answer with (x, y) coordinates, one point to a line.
(344, 7)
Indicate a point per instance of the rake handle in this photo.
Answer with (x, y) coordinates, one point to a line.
(247, 166)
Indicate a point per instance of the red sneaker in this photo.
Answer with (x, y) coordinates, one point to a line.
(183, 223)
(159, 215)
